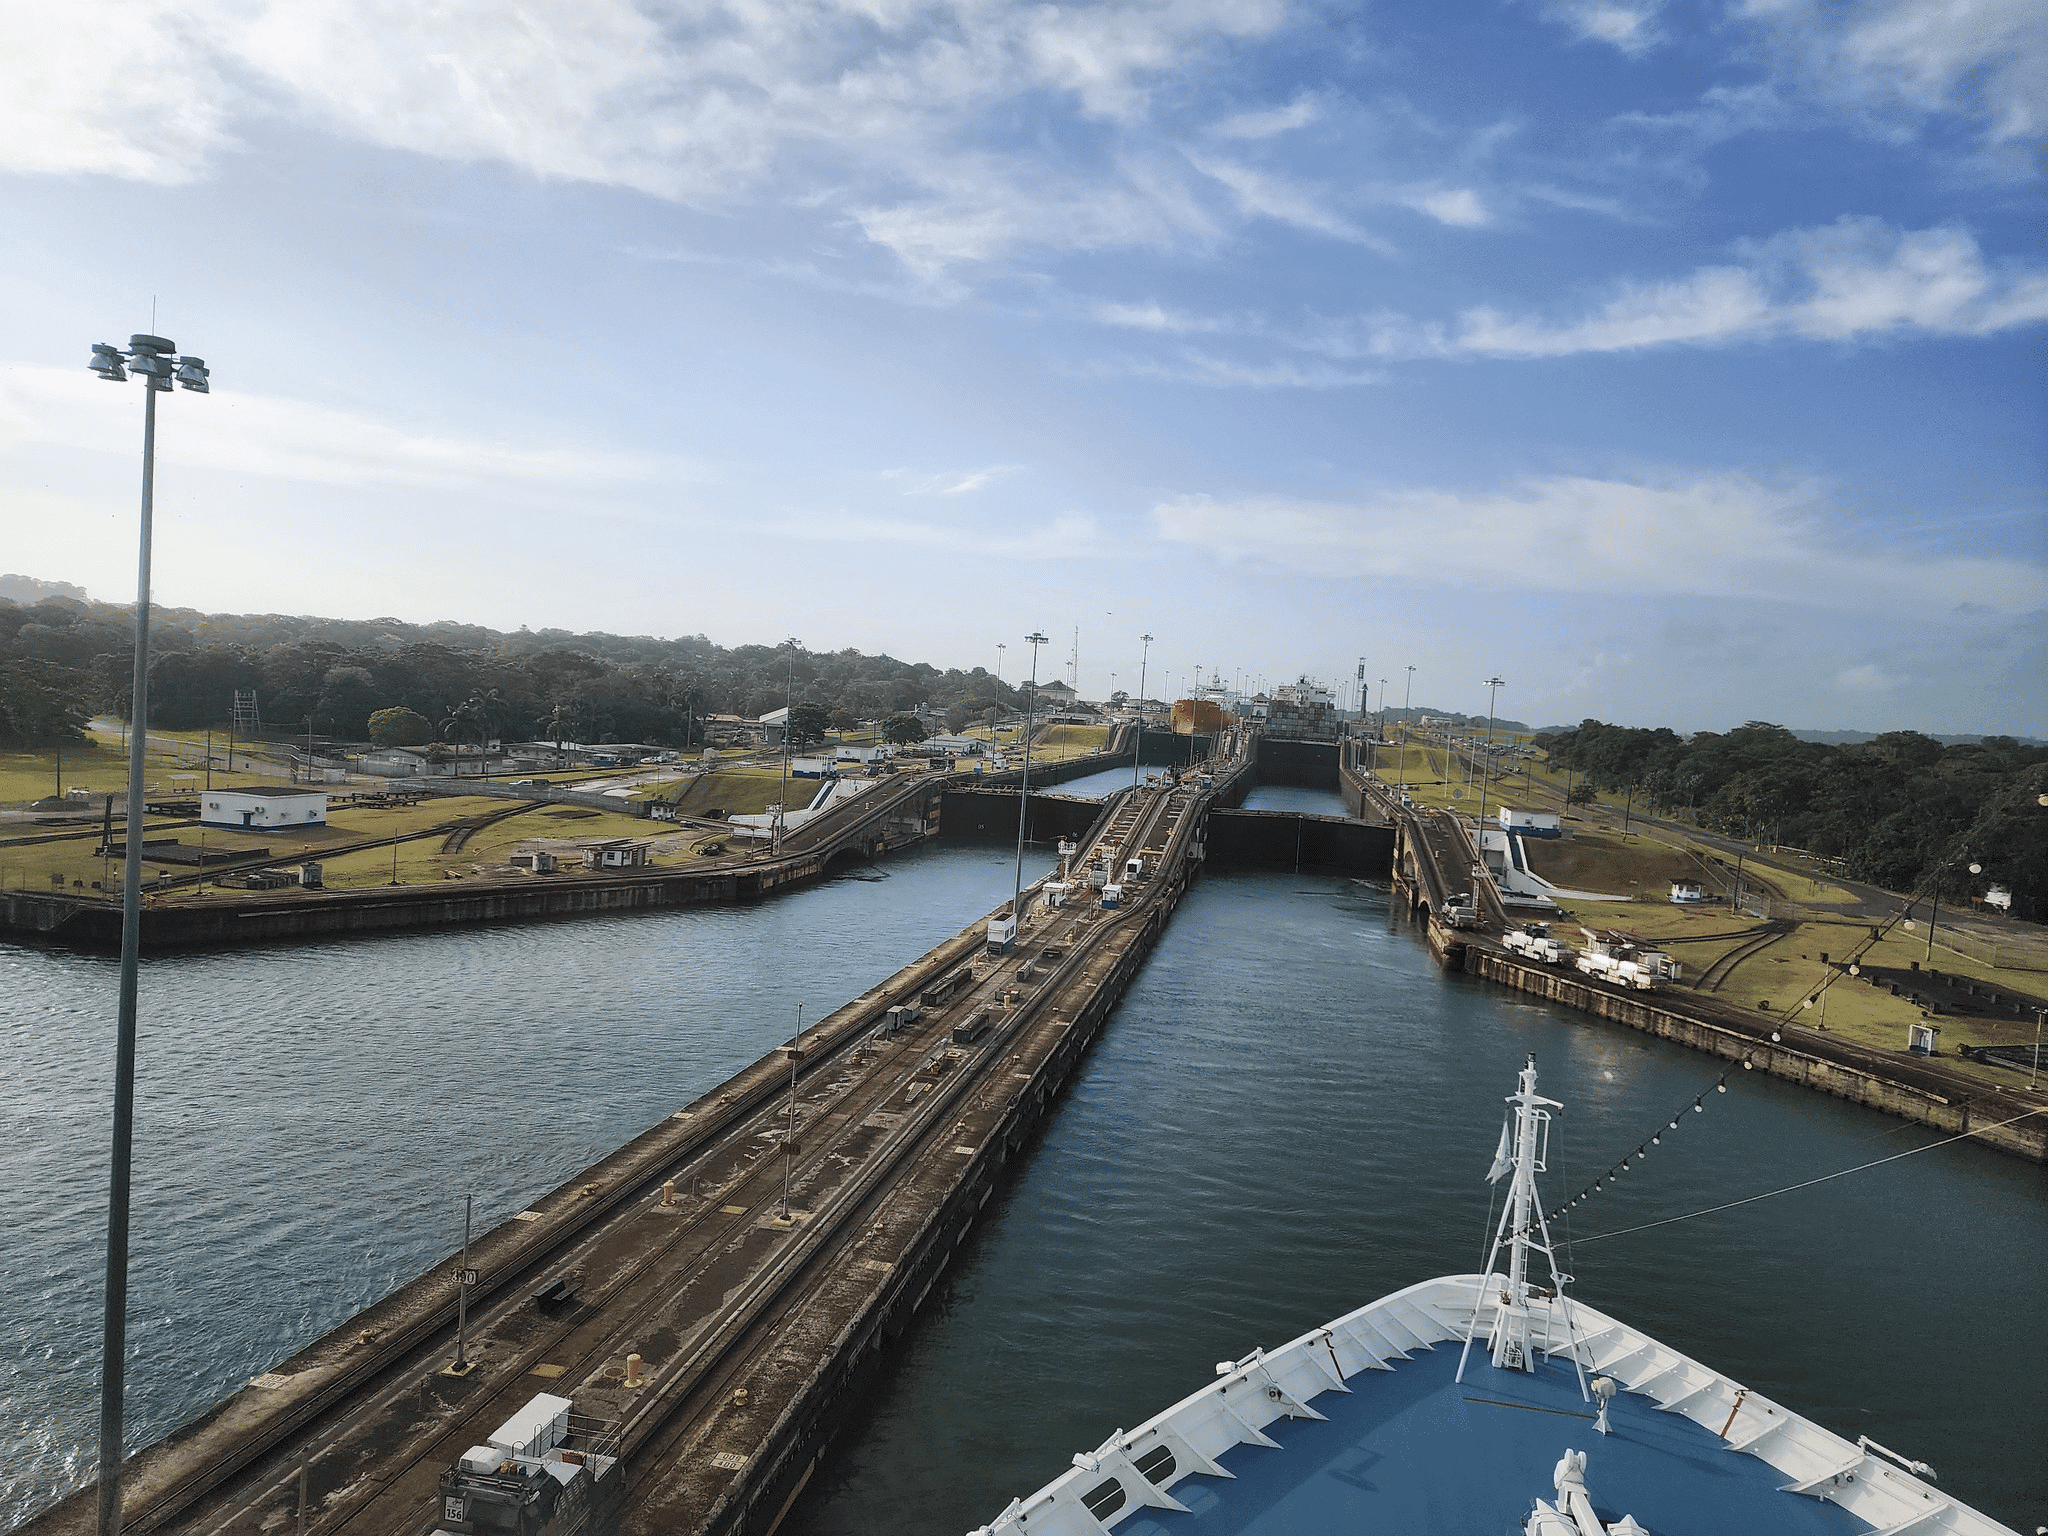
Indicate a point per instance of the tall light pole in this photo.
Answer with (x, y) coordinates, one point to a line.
(159, 364)
(1407, 693)
(1144, 656)
(1493, 684)
(788, 730)
(1034, 640)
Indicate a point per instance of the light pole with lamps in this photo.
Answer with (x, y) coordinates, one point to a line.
(1144, 656)
(159, 364)
(1034, 640)
(1407, 693)
(1493, 684)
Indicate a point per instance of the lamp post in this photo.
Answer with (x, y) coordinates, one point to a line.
(1034, 640)
(159, 364)
(1493, 685)
(788, 727)
(1144, 656)
(1406, 693)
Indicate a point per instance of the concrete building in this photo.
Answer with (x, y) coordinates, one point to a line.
(263, 810)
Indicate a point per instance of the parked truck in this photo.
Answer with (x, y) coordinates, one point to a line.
(1533, 941)
(1625, 961)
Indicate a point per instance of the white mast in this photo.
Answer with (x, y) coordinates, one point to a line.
(1523, 1229)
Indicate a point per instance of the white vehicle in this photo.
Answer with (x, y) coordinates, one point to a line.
(1533, 941)
(1112, 897)
(1055, 894)
(1625, 961)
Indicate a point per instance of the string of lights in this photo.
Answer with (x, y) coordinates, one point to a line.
(1656, 1138)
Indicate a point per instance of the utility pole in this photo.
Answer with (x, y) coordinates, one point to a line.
(1144, 656)
(1034, 640)
(462, 1284)
(788, 730)
(789, 1145)
(1493, 686)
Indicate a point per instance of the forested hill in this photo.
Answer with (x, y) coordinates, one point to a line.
(1901, 810)
(62, 660)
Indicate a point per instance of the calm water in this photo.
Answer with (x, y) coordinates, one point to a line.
(1291, 1114)
(308, 1120)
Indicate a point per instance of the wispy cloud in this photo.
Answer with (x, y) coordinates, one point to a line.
(1714, 535)
(1456, 206)
(276, 436)
(698, 104)
(1865, 679)
(1192, 366)
(1905, 61)
(952, 483)
(1262, 194)
(1856, 280)
(1298, 113)
(1626, 24)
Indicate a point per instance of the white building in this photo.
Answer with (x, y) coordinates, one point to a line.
(263, 810)
(393, 762)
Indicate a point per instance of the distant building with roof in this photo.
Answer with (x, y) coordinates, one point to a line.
(263, 810)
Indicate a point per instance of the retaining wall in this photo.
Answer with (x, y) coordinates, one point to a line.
(1924, 1104)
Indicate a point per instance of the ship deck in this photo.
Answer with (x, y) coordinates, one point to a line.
(1411, 1450)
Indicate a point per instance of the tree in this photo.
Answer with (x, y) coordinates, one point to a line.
(844, 720)
(958, 713)
(807, 723)
(400, 727)
(903, 729)
(37, 702)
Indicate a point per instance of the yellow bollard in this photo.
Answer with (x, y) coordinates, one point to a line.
(668, 1191)
(633, 1371)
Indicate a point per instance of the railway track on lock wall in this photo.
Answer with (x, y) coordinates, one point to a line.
(387, 1431)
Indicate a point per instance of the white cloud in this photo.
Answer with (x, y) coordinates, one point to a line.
(1457, 206)
(1865, 679)
(1903, 61)
(1260, 195)
(1716, 535)
(1152, 316)
(1191, 366)
(122, 87)
(1626, 26)
(1298, 113)
(950, 484)
(1855, 279)
(696, 101)
(273, 435)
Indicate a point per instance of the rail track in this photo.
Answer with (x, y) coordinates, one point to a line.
(696, 1288)
(1711, 978)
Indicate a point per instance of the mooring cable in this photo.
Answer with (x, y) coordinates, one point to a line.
(1809, 1183)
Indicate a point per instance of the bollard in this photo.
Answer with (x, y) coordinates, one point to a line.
(633, 1372)
(668, 1191)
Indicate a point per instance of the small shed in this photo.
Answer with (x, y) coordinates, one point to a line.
(1687, 891)
(1530, 823)
(263, 810)
(616, 856)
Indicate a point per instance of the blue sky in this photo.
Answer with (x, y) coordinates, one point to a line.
(1678, 363)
